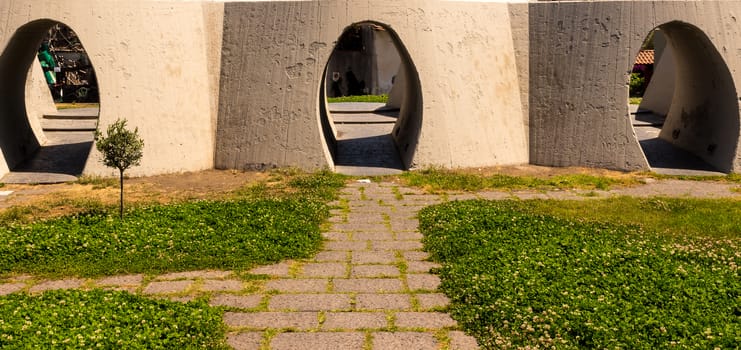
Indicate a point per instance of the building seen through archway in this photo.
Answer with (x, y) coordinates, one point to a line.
(55, 105)
(370, 102)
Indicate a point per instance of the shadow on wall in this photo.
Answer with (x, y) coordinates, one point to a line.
(375, 61)
(701, 106)
(18, 142)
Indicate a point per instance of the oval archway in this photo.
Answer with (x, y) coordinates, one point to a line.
(688, 119)
(370, 138)
(46, 68)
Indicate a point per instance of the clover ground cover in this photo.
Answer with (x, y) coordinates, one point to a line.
(72, 319)
(519, 278)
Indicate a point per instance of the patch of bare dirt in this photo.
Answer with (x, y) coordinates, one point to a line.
(541, 171)
(60, 199)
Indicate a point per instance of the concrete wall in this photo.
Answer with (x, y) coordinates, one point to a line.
(457, 114)
(580, 57)
(153, 65)
(238, 84)
(660, 90)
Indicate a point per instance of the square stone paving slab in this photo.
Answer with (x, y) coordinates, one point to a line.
(373, 257)
(222, 285)
(372, 236)
(325, 270)
(421, 266)
(123, 280)
(424, 320)
(8, 288)
(368, 285)
(375, 271)
(423, 282)
(166, 287)
(281, 269)
(404, 340)
(432, 300)
(238, 301)
(310, 302)
(318, 341)
(383, 302)
(265, 320)
(331, 256)
(345, 245)
(416, 255)
(69, 283)
(302, 285)
(355, 320)
(244, 341)
(206, 274)
(396, 245)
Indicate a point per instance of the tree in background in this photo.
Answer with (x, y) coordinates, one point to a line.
(121, 149)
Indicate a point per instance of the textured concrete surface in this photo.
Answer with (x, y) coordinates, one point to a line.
(240, 84)
(154, 62)
(580, 57)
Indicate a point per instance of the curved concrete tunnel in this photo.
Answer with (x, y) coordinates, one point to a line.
(502, 82)
(407, 98)
(704, 114)
(62, 141)
(18, 139)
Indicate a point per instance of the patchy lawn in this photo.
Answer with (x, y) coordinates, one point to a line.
(518, 278)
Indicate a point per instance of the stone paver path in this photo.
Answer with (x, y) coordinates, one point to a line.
(369, 288)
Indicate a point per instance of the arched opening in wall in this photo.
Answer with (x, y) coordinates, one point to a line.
(370, 102)
(49, 104)
(683, 103)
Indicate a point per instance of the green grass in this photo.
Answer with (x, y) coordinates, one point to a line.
(363, 98)
(73, 319)
(264, 224)
(719, 218)
(98, 182)
(635, 100)
(73, 105)
(436, 180)
(156, 239)
(517, 278)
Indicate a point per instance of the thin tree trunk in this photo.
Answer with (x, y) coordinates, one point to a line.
(121, 204)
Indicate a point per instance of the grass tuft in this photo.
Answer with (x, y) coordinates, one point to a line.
(361, 98)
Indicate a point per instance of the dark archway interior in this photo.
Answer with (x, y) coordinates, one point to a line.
(688, 121)
(371, 138)
(68, 132)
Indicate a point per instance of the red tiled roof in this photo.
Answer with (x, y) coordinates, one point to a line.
(645, 57)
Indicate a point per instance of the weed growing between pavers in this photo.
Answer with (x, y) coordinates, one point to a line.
(107, 319)
(520, 279)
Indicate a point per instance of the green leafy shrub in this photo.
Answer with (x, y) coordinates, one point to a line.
(179, 237)
(121, 149)
(520, 279)
(637, 85)
(74, 319)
